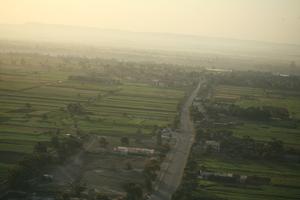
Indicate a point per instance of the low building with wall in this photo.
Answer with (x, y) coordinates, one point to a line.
(133, 150)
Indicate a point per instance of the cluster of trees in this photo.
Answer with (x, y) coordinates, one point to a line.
(95, 79)
(259, 79)
(65, 147)
(125, 141)
(245, 147)
(30, 167)
(196, 114)
(134, 191)
(249, 148)
(277, 112)
(27, 171)
(112, 71)
(76, 190)
(251, 113)
(75, 109)
(103, 142)
(150, 173)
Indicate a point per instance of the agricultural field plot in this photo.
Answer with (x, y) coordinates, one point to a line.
(285, 130)
(224, 167)
(33, 107)
(247, 96)
(289, 102)
(234, 94)
(266, 132)
(284, 181)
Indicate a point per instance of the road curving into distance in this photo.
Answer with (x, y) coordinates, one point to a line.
(173, 168)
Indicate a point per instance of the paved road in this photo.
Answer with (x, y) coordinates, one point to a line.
(175, 163)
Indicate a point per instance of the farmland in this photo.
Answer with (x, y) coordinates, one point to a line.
(285, 178)
(258, 97)
(285, 175)
(253, 96)
(236, 139)
(34, 99)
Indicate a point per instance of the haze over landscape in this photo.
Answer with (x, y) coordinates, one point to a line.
(149, 100)
(271, 20)
(243, 29)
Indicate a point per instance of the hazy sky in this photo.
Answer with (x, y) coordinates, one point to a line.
(267, 20)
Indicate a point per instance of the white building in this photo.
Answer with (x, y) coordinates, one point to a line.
(134, 150)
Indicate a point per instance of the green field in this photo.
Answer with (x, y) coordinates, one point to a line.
(111, 110)
(284, 179)
(284, 175)
(267, 131)
(247, 96)
(257, 97)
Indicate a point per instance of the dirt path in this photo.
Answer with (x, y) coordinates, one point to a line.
(175, 163)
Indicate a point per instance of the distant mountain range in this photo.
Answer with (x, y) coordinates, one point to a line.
(148, 41)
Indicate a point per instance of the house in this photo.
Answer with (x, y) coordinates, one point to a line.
(219, 177)
(158, 83)
(133, 150)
